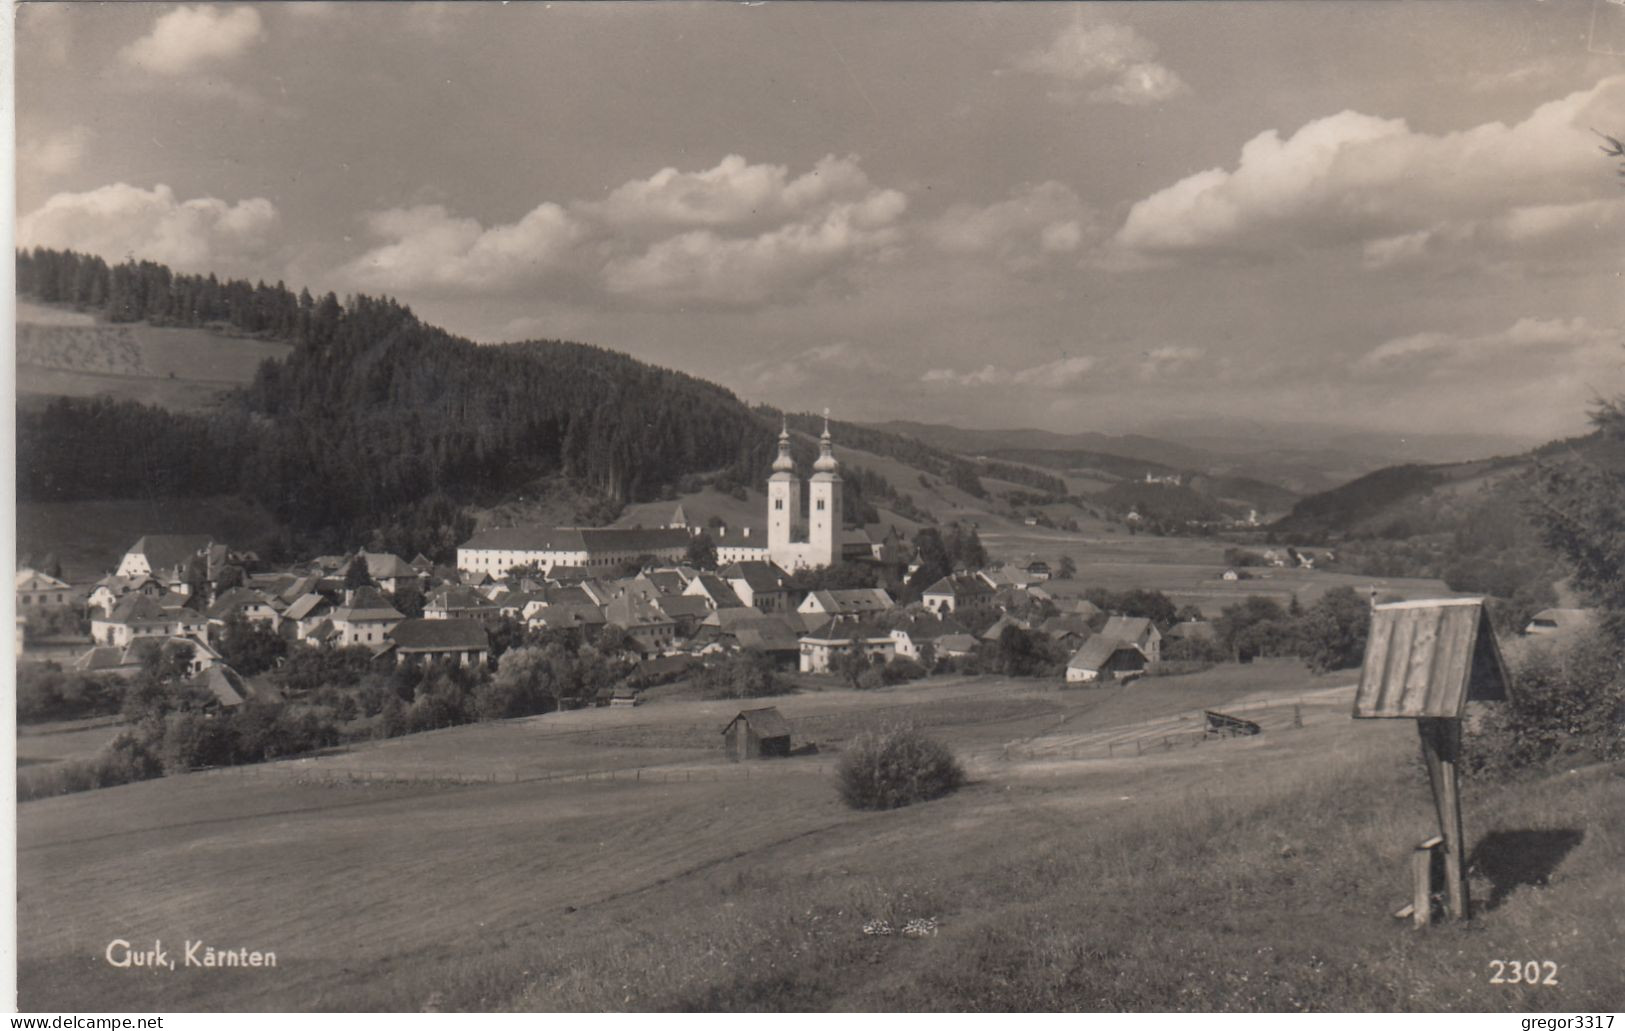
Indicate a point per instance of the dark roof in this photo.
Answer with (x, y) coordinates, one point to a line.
(1127, 628)
(960, 587)
(684, 605)
(439, 635)
(760, 576)
(168, 550)
(138, 608)
(767, 637)
(572, 538)
(924, 626)
(1098, 650)
(849, 629)
(853, 599)
(564, 613)
(367, 603)
(1060, 626)
(956, 643)
(720, 592)
(235, 599)
(458, 598)
(384, 566)
(764, 722)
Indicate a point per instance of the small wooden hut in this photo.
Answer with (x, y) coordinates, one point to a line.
(756, 734)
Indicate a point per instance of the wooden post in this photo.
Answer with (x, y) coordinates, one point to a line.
(1441, 746)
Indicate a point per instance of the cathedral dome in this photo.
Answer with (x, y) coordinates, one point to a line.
(784, 463)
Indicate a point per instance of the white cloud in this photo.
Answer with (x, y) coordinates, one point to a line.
(1528, 342)
(1354, 179)
(1168, 360)
(1037, 223)
(1112, 62)
(1055, 375)
(706, 267)
(431, 249)
(55, 154)
(825, 363)
(200, 235)
(751, 235)
(733, 193)
(189, 38)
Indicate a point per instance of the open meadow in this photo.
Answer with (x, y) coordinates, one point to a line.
(1187, 569)
(1104, 856)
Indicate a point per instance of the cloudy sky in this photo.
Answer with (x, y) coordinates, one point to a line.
(1100, 217)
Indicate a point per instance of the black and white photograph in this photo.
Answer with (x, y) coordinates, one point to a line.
(768, 507)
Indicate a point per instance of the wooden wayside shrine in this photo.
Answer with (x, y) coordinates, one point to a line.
(1425, 660)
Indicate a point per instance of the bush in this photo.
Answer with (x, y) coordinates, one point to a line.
(1567, 706)
(901, 669)
(894, 767)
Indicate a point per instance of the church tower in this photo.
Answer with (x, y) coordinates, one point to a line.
(824, 518)
(783, 499)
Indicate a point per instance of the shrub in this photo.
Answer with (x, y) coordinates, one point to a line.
(896, 766)
(1567, 706)
(901, 669)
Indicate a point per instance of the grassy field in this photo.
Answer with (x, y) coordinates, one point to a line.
(1187, 569)
(1245, 874)
(64, 352)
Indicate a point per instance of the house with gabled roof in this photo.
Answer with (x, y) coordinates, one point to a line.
(365, 618)
(649, 628)
(1138, 631)
(759, 585)
(462, 642)
(1104, 658)
(251, 604)
(161, 554)
(137, 615)
(921, 631)
(856, 601)
(715, 591)
(36, 590)
(454, 602)
(821, 647)
(955, 592)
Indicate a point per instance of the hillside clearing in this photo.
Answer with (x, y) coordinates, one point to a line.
(1261, 872)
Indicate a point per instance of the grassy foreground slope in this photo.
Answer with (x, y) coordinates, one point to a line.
(1246, 874)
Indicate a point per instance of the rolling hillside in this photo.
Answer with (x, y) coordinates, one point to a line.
(66, 353)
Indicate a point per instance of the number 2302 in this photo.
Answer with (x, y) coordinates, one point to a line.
(1530, 972)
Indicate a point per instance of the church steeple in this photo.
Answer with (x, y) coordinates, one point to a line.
(784, 463)
(826, 451)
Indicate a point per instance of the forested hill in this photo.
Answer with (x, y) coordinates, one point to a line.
(377, 426)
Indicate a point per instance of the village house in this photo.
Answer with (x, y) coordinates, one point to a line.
(820, 648)
(563, 615)
(35, 590)
(462, 642)
(493, 552)
(252, 605)
(109, 589)
(137, 615)
(649, 628)
(952, 593)
(127, 661)
(458, 602)
(1104, 658)
(922, 633)
(365, 618)
(389, 571)
(305, 614)
(161, 555)
(760, 585)
(1138, 631)
(715, 591)
(955, 646)
(856, 601)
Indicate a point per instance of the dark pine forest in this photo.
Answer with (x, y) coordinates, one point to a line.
(376, 426)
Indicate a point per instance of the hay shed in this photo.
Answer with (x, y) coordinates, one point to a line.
(756, 734)
(1428, 659)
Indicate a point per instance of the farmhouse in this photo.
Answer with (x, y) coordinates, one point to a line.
(1104, 657)
(820, 647)
(462, 642)
(161, 555)
(459, 602)
(493, 552)
(761, 585)
(714, 591)
(388, 571)
(137, 615)
(650, 628)
(756, 734)
(1138, 631)
(109, 589)
(252, 605)
(366, 617)
(857, 601)
(35, 590)
(923, 632)
(952, 593)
